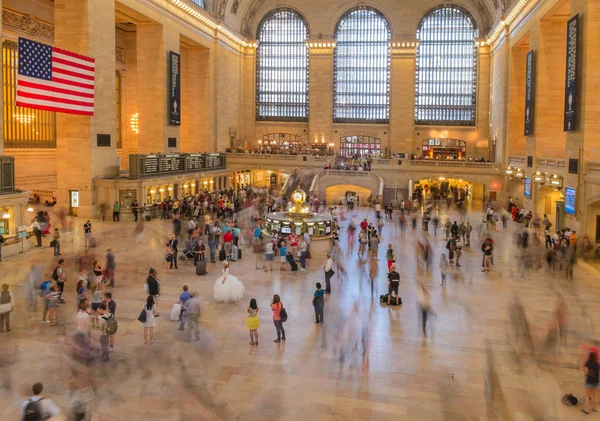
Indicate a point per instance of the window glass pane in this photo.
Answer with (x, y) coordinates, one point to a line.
(361, 91)
(282, 67)
(446, 78)
(23, 127)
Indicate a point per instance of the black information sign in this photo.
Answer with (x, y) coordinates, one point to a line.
(529, 94)
(194, 162)
(571, 74)
(174, 88)
(151, 164)
(144, 165)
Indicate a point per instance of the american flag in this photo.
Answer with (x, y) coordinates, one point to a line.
(53, 79)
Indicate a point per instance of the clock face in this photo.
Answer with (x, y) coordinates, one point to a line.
(297, 196)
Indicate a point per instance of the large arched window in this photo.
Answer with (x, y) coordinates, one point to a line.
(361, 73)
(446, 80)
(282, 67)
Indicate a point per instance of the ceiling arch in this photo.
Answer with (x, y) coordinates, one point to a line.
(244, 15)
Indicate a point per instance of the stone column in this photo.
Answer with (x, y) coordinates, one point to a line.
(483, 103)
(402, 97)
(196, 100)
(320, 101)
(87, 27)
(154, 41)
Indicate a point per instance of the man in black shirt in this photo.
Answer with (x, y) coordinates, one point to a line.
(173, 242)
(135, 207)
(393, 284)
(153, 286)
(87, 229)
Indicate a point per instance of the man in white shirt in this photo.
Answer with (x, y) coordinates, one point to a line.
(39, 405)
(328, 269)
(307, 241)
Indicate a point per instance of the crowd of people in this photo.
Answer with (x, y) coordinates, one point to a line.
(219, 226)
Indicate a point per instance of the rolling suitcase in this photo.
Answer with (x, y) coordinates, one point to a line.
(291, 261)
(93, 242)
(222, 254)
(201, 267)
(234, 254)
(239, 253)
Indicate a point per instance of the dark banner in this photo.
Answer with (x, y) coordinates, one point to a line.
(571, 76)
(529, 94)
(174, 89)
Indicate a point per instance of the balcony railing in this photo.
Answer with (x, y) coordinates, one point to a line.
(517, 161)
(551, 165)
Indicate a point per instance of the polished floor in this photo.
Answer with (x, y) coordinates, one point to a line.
(367, 362)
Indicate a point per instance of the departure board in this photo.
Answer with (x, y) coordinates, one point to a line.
(159, 164)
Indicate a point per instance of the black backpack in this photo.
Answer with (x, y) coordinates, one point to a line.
(55, 274)
(33, 411)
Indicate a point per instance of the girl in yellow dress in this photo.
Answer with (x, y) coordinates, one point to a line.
(252, 322)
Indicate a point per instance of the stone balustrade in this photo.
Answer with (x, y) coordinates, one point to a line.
(517, 161)
(551, 165)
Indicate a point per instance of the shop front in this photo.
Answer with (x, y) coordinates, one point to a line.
(15, 222)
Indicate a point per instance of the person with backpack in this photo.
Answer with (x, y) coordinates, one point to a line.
(318, 302)
(277, 308)
(105, 316)
(37, 408)
(111, 305)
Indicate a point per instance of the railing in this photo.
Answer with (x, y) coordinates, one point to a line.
(517, 161)
(551, 164)
(348, 173)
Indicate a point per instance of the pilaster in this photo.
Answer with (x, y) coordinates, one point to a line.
(81, 27)
(402, 91)
(320, 100)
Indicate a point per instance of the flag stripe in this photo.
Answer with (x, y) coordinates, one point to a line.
(45, 103)
(55, 98)
(73, 59)
(73, 64)
(74, 55)
(36, 86)
(72, 83)
(75, 75)
(55, 109)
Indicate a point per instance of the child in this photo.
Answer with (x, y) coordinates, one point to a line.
(389, 255)
(104, 336)
(252, 322)
(51, 297)
(282, 257)
(444, 265)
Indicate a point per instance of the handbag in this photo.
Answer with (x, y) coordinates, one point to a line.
(142, 316)
(53, 243)
(330, 272)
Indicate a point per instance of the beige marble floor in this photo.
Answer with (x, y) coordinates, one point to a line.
(464, 370)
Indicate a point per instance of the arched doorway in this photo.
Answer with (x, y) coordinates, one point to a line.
(547, 196)
(514, 188)
(440, 148)
(337, 193)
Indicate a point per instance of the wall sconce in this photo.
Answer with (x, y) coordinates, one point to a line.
(509, 171)
(519, 173)
(134, 123)
(259, 142)
(193, 184)
(185, 186)
(556, 181)
(29, 209)
(170, 188)
(152, 191)
(161, 190)
(538, 177)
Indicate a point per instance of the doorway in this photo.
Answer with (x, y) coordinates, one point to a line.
(73, 202)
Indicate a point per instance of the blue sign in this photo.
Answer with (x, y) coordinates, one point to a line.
(527, 187)
(570, 200)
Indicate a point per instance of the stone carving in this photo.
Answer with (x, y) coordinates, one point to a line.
(249, 17)
(234, 7)
(28, 24)
(120, 55)
(222, 8)
(486, 17)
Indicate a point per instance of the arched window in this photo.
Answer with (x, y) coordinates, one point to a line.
(282, 67)
(361, 70)
(446, 79)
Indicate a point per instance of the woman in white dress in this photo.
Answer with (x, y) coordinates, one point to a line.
(228, 288)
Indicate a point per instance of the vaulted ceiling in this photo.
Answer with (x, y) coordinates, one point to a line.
(243, 15)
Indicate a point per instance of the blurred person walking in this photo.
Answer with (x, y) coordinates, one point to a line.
(192, 316)
(7, 304)
(329, 272)
(59, 275)
(253, 322)
(183, 298)
(276, 307)
(105, 315)
(111, 265)
(444, 266)
(424, 301)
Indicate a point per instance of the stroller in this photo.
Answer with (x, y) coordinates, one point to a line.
(291, 261)
(188, 251)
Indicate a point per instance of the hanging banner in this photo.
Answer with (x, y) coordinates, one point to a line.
(174, 89)
(529, 94)
(571, 74)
